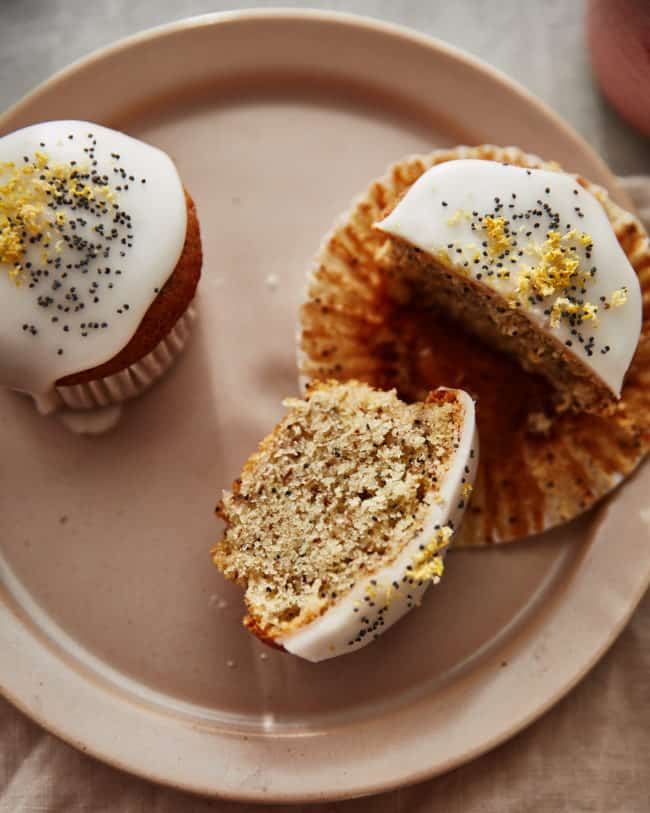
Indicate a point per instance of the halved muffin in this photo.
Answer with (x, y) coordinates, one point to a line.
(337, 523)
(527, 260)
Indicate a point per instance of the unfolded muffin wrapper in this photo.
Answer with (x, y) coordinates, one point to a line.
(528, 481)
(133, 380)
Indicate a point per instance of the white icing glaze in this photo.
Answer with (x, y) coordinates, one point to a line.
(31, 361)
(438, 211)
(375, 599)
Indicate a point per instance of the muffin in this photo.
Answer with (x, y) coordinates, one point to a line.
(337, 524)
(101, 252)
(527, 261)
(369, 314)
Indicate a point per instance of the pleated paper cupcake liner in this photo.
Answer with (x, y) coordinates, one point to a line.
(537, 470)
(135, 379)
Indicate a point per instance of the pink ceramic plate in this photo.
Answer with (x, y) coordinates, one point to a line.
(116, 632)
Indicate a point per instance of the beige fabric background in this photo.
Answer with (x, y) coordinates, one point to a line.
(591, 753)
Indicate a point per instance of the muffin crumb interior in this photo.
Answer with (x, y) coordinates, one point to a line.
(338, 489)
(434, 282)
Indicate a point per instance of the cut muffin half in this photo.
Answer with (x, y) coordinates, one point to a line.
(338, 522)
(528, 261)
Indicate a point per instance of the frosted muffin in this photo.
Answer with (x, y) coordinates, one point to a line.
(370, 315)
(527, 261)
(337, 524)
(101, 253)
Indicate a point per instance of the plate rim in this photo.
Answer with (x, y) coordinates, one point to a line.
(362, 786)
(340, 17)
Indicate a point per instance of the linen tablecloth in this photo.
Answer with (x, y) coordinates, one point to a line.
(591, 753)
